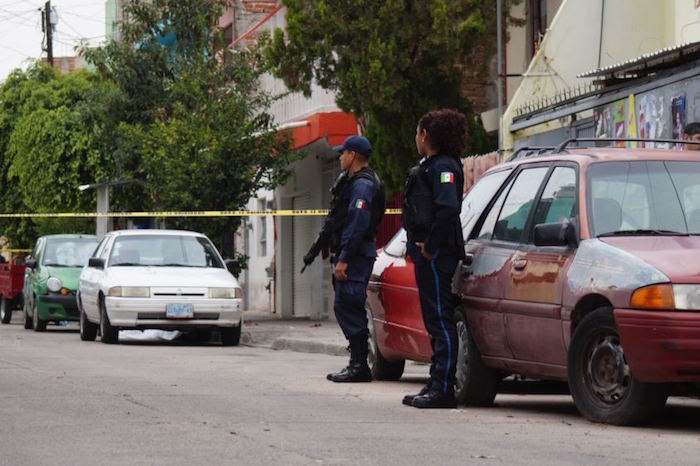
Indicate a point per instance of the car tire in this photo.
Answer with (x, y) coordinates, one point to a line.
(38, 324)
(5, 310)
(108, 333)
(231, 336)
(600, 380)
(380, 367)
(88, 330)
(475, 384)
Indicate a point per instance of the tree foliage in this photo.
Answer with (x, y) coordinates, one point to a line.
(48, 148)
(170, 109)
(389, 62)
(189, 121)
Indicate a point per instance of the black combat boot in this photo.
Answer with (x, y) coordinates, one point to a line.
(357, 370)
(408, 399)
(435, 399)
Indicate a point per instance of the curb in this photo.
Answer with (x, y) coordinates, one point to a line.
(306, 346)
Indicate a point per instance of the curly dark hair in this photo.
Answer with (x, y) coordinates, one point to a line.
(692, 128)
(447, 130)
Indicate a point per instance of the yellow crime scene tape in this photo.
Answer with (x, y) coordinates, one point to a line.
(196, 213)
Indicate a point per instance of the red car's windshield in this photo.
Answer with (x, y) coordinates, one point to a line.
(644, 198)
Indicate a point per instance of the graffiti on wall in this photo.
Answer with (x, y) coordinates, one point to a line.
(678, 115)
(650, 119)
(631, 121)
(602, 122)
(619, 119)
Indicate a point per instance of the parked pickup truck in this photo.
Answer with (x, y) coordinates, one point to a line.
(11, 283)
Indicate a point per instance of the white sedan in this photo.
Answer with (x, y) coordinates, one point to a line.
(158, 279)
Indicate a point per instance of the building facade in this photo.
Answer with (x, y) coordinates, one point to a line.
(623, 68)
(276, 246)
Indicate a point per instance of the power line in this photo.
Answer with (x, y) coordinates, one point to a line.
(86, 18)
(16, 51)
(71, 27)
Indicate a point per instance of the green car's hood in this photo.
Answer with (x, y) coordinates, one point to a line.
(68, 275)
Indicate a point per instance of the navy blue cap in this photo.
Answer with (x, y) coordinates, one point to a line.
(358, 144)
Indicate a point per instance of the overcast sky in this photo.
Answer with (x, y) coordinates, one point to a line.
(21, 36)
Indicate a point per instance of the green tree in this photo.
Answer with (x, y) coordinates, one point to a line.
(189, 118)
(389, 62)
(48, 148)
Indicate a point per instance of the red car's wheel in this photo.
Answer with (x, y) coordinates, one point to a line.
(603, 388)
(381, 368)
(476, 384)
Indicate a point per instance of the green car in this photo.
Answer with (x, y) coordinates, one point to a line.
(51, 278)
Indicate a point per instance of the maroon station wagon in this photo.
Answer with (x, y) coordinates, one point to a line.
(581, 265)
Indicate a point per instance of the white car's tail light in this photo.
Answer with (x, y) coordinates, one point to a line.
(129, 291)
(226, 293)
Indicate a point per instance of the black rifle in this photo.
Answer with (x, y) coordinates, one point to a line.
(323, 240)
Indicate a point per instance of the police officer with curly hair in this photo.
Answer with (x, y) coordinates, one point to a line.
(432, 203)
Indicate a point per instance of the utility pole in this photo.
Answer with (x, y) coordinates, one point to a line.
(48, 29)
(499, 54)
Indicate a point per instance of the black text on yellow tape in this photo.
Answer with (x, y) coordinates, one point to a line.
(195, 213)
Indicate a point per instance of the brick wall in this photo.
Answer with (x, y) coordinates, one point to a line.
(258, 6)
(249, 12)
(480, 73)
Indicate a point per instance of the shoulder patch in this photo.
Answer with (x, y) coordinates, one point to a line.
(360, 204)
(447, 177)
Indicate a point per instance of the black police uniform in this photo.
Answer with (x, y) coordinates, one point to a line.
(361, 208)
(436, 197)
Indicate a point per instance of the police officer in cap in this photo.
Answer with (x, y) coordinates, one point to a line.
(432, 203)
(360, 209)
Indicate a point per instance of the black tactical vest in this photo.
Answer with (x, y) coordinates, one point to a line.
(417, 214)
(378, 206)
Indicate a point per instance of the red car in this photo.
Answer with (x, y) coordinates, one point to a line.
(582, 265)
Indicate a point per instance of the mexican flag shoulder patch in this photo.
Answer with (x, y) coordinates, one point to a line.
(447, 177)
(360, 204)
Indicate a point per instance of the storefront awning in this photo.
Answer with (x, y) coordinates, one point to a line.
(333, 126)
(647, 64)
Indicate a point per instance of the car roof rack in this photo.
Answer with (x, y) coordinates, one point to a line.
(528, 151)
(562, 147)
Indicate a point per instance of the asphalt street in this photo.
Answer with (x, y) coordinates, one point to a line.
(69, 402)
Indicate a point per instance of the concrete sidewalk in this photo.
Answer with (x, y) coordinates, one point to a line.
(300, 334)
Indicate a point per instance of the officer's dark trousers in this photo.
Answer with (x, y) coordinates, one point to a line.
(434, 280)
(350, 297)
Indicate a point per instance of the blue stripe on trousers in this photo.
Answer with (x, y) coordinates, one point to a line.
(442, 322)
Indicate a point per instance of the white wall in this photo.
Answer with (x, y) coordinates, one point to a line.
(309, 176)
(571, 45)
(685, 21)
(255, 279)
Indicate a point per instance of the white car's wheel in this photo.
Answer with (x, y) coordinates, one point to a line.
(108, 333)
(231, 336)
(88, 330)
